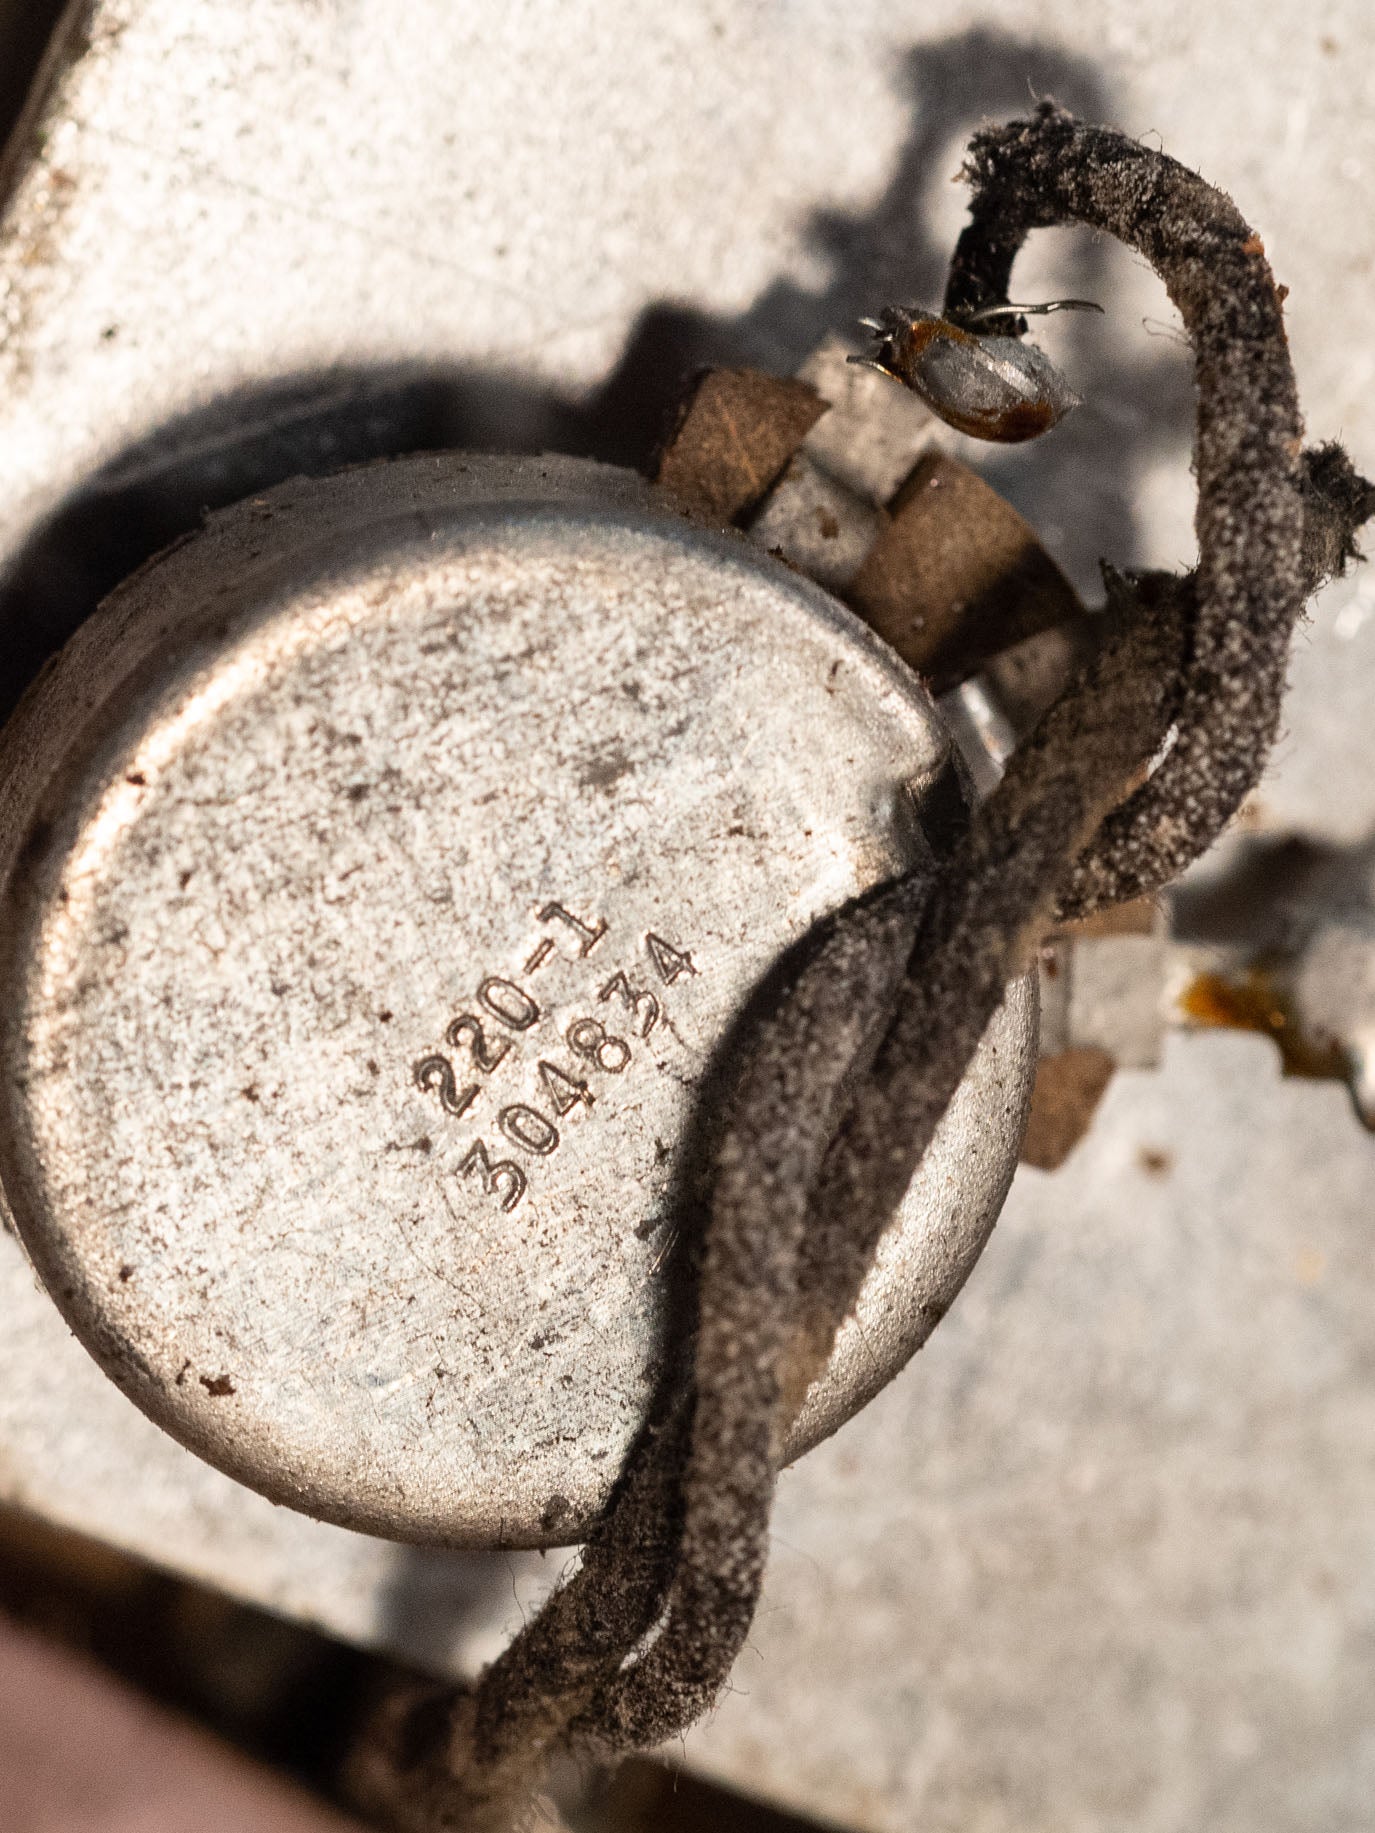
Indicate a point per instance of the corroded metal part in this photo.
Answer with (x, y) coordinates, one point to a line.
(956, 575)
(387, 867)
(736, 432)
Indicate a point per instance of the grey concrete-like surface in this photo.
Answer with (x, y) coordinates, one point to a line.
(1102, 1559)
(1104, 1556)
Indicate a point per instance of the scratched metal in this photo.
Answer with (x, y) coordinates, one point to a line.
(390, 863)
(1100, 1558)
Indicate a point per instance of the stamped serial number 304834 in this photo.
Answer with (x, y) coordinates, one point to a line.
(479, 1043)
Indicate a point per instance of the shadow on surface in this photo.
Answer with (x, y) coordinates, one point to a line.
(1267, 892)
(1083, 477)
(1078, 481)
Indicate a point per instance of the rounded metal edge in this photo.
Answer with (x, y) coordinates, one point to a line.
(878, 1339)
(26, 747)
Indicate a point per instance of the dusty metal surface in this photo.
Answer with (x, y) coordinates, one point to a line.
(387, 868)
(1100, 1560)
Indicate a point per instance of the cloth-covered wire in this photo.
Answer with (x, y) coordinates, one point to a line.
(852, 1065)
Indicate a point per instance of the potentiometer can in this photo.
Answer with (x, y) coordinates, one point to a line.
(383, 870)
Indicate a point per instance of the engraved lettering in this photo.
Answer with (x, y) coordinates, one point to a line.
(486, 1056)
(562, 1089)
(589, 1038)
(526, 1126)
(588, 934)
(502, 1180)
(644, 1007)
(508, 1002)
(475, 1047)
(670, 961)
(436, 1076)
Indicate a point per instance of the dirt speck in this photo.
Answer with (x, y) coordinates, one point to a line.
(606, 770)
(1310, 1266)
(219, 1387)
(556, 1509)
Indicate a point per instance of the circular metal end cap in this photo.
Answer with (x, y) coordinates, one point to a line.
(386, 866)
